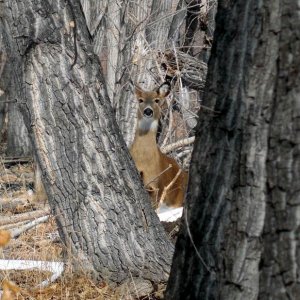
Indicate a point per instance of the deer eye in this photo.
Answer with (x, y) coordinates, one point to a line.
(156, 100)
(141, 100)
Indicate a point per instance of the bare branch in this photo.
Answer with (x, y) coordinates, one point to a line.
(178, 144)
(22, 217)
(166, 188)
(17, 231)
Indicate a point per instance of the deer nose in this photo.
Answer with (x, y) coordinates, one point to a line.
(148, 112)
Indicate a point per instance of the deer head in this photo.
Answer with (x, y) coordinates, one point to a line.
(149, 108)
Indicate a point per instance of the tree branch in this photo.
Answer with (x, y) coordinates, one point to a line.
(178, 144)
(23, 217)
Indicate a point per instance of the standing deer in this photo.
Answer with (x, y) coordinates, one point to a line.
(161, 175)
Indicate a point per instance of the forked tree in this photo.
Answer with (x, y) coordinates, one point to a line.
(103, 214)
(240, 235)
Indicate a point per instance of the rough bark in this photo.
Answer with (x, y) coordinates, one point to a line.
(3, 111)
(3, 87)
(191, 23)
(207, 24)
(102, 211)
(177, 21)
(244, 173)
(280, 265)
(18, 143)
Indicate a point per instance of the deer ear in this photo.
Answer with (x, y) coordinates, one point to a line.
(138, 91)
(164, 89)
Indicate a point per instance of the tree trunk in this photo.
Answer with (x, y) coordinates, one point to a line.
(102, 211)
(280, 265)
(244, 173)
(18, 143)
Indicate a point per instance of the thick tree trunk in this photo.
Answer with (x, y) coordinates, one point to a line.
(280, 265)
(245, 168)
(102, 211)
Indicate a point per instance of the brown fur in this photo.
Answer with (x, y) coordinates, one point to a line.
(157, 169)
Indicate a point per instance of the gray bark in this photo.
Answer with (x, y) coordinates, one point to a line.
(127, 37)
(4, 74)
(18, 142)
(102, 211)
(2, 122)
(243, 194)
(192, 24)
(280, 265)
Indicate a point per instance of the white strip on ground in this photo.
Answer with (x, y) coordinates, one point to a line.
(166, 214)
(56, 268)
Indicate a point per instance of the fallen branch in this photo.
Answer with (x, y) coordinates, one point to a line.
(13, 225)
(18, 231)
(178, 144)
(56, 268)
(23, 217)
(16, 160)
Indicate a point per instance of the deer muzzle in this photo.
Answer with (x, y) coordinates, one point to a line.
(148, 112)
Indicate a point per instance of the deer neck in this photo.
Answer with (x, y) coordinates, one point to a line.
(145, 136)
(147, 127)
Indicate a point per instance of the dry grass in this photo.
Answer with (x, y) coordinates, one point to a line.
(42, 243)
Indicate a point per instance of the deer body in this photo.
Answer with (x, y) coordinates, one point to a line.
(160, 173)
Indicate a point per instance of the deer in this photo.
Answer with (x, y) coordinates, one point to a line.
(162, 177)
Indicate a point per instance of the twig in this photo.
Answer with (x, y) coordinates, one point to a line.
(184, 153)
(166, 188)
(17, 231)
(8, 101)
(178, 144)
(169, 167)
(192, 241)
(169, 127)
(23, 217)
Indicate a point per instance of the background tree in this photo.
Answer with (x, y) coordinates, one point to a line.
(240, 238)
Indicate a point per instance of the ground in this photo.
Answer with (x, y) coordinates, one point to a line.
(42, 243)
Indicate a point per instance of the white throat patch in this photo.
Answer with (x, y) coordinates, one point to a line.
(146, 124)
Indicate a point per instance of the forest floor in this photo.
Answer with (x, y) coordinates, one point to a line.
(41, 243)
